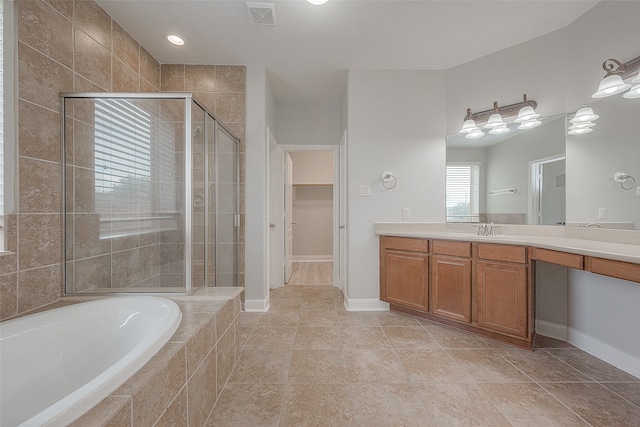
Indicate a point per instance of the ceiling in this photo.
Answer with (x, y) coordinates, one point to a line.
(308, 53)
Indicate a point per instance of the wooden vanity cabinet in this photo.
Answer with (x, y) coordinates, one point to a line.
(504, 291)
(451, 280)
(404, 272)
(482, 288)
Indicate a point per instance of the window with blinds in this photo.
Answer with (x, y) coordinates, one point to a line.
(123, 188)
(463, 192)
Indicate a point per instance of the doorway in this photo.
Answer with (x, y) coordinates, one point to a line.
(314, 218)
(547, 191)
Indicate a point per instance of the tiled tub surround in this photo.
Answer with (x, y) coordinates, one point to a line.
(181, 383)
(75, 46)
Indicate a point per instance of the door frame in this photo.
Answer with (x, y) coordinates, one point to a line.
(534, 185)
(275, 194)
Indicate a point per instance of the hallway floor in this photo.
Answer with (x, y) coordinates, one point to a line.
(308, 362)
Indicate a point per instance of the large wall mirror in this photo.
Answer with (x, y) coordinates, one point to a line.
(594, 197)
(514, 178)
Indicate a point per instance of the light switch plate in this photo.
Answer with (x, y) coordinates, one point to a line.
(638, 191)
(364, 190)
(406, 213)
(602, 213)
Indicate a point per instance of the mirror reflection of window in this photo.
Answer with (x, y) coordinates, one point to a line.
(463, 192)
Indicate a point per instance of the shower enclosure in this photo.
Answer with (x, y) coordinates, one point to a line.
(150, 194)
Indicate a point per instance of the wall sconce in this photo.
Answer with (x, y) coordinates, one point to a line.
(525, 110)
(582, 121)
(617, 72)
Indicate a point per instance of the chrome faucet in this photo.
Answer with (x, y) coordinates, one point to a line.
(486, 229)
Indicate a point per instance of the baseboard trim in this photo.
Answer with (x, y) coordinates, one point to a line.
(312, 258)
(351, 304)
(257, 305)
(604, 351)
(553, 330)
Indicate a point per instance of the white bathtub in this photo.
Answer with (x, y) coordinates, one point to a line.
(58, 364)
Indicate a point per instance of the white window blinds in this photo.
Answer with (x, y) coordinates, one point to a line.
(122, 166)
(463, 192)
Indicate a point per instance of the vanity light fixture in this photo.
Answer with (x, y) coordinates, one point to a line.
(614, 81)
(175, 39)
(317, 2)
(525, 110)
(582, 121)
(634, 92)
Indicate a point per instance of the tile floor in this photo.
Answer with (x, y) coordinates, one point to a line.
(308, 362)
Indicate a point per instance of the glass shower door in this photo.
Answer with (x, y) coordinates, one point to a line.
(226, 212)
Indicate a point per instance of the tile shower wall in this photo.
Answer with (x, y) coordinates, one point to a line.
(75, 46)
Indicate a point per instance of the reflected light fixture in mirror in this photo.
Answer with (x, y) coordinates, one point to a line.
(613, 82)
(317, 2)
(582, 121)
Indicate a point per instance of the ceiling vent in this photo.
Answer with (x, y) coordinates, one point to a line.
(263, 13)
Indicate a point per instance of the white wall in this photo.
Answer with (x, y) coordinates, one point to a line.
(396, 123)
(260, 114)
(312, 166)
(309, 124)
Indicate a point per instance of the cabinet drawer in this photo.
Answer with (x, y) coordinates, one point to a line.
(444, 247)
(507, 253)
(405, 244)
(618, 269)
(560, 258)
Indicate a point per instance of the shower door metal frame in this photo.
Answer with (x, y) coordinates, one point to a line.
(188, 163)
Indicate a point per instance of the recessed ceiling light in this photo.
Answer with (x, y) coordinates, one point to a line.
(175, 39)
(317, 2)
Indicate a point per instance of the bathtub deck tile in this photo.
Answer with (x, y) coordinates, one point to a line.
(156, 385)
(113, 411)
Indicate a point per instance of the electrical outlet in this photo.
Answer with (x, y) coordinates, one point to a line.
(406, 213)
(602, 213)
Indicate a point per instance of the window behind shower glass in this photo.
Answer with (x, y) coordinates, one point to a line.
(463, 192)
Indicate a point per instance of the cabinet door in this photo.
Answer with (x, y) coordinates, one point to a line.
(405, 279)
(451, 287)
(502, 298)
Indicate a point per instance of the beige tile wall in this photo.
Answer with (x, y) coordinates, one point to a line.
(75, 46)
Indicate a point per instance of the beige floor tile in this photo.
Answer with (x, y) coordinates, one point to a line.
(542, 341)
(350, 318)
(486, 366)
(354, 337)
(261, 367)
(278, 319)
(249, 319)
(271, 338)
(393, 318)
(529, 405)
(630, 391)
(374, 366)
(243, 405)
(318, 339)
(316, 304)
(380, 405)
(454, 338)
(318, 367)
(314, 319)
(540, 366)
(596, 404)
(284, 304)
(591, 365)
(460, 405)
(430, 366)
(409, 337)
(244, 336)
(312, 405)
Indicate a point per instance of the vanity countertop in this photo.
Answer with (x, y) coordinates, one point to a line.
(552, 238)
